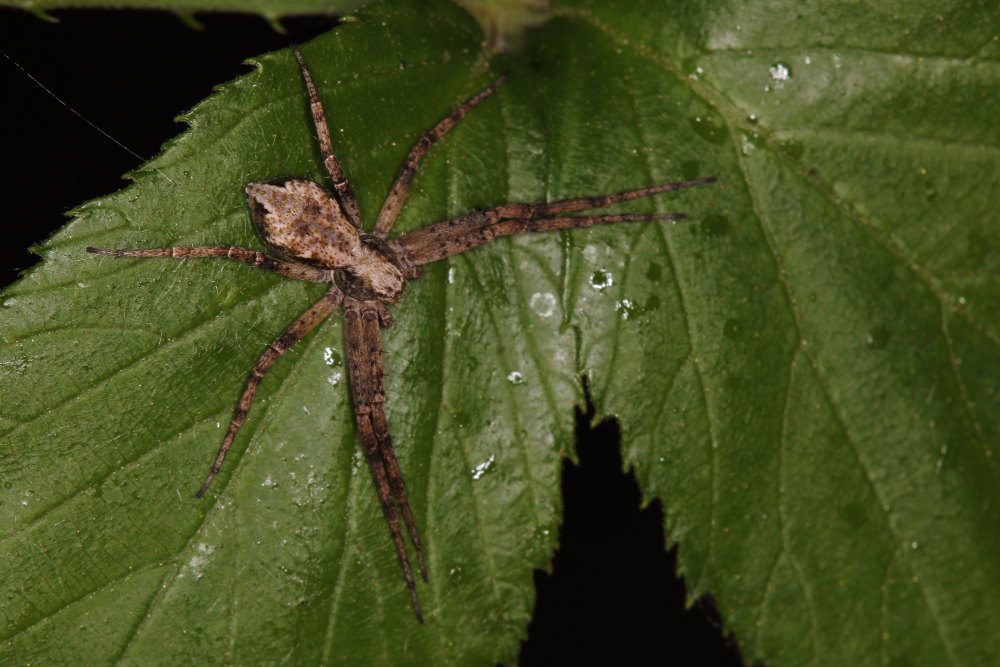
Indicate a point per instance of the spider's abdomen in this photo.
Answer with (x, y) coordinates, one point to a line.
(301, 221)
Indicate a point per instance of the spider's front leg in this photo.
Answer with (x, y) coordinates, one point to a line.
(362, 324)
(450, 237)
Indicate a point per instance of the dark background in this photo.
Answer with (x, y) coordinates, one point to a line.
(612, 594)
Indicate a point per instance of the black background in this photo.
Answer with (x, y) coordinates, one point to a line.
(612, 594)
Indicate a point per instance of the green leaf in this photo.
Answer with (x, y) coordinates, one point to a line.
(804, 369)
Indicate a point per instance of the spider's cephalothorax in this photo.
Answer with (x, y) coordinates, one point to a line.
(374, 275)
(314, 234)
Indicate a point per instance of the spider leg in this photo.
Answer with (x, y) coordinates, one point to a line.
(418, 249)
(293, 334)
(364, 355)
(451, 237)
(381, 427)
(259, 259)
(345, 194)
(400, 189)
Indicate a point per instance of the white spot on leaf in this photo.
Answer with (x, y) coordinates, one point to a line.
(200, 559)
(601, 280)
(481, 469)
(543, 303)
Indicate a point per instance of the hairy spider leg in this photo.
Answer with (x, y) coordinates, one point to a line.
(450, 237)
(252, 257)
(308, 321)
(415, 251)
(400, 190)
(345, 195)
(381, 428)
(364, 355)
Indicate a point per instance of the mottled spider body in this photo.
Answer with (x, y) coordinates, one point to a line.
(301, 221)
(315, 234)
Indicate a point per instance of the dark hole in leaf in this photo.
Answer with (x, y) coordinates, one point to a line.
(612, 590)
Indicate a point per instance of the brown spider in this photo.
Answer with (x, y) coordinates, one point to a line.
(315, 235)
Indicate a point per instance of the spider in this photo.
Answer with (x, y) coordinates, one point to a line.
(315, 234)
